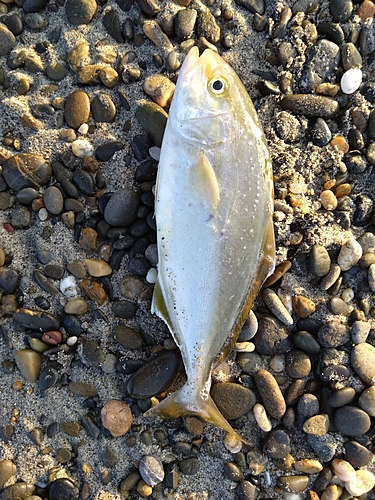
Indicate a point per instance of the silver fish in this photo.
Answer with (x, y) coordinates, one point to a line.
(215, 236)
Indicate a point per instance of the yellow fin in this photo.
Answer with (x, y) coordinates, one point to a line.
(158, 305)
(185, 402)
(204, 182)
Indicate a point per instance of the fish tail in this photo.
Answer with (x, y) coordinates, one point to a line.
(184, 402)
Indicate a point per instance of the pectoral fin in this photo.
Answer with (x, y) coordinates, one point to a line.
(204, 182)
(158, 305)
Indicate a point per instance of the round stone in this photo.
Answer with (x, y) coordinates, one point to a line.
(116, 417)
(103, 108)
(77, 108)
(127, 337)
(233, 400)
(349, 255)
(361, 483)
(351, 80)
(121, 209)
(343, 469)
(333, 334)
(53, 200)
(328, 199)
(277, 444)
(363, 362)
(297, 364)
(341, 397)
(160, 88)
(357, 454)
(63, 489)
(80, 11)
(26, 170)
(76, 306)
(151, 470)
(270, 393)
(367, 401)
(189, 466)
(320, 261)
(7, 40)
(338, 306)
(316, 425)
(7, 470)
(306, 342)
(303, 306)
(352, 421)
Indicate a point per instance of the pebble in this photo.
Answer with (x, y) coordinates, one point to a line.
(261, 417)
(156, 376)
(352, 421)
(320, 133)
(106, 151)
(63, 489)
(306, 342)
(94, 291)
(124, 309)
(26, 170)
(351, 80)
(357, 454)
(367, 401)
(270, 393)
(320, 261)
(97, 267)
(84, 181)
(153, 119)
(254, 6)
(7, 470)
(77, 109)
(103, 108)
(328, 200)
(360, 331)
(36, 320)
(303, 306)
(277, 444)
(21, 217)
(80, 11)
(160, 88)
(275, 305)
(297, 364)
(363, 362)
(121, 209)
(333, 334)
(189, 466)
(53, 200)
(83, 390)
(311, 105)
(296, 484)
(7, 40)
(349, 255)
(341, 397)
(207, 27)
(338, 306)
(308, 465)
(323, 60)
(317, 425)
(361, 483)
(82, 148)
(76, 306)
(28, 363)
(271, 337)
(116, 417)
(184, 23)
(151, 470)
(233, 400)
(233, 472)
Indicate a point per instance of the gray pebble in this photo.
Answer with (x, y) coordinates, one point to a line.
(272, 337)
(311, 105)
(341, 397)
(356, 454)
(124, 309)
(320, 260)
(352, 421)
(44, 283)
(90, 353)
(333, 334)
(278, 444)
(249, 362)
(80, 11)
(233, 472)
(103, 108)
(26, 170)
(84, 181)
(320, 133)
(323, 60)
(27, 195)
(127, 337)
(332, 31)
(53, 200)
(207, 27)
(121, 209)
(307, 406)
(363, 362)
(275, 305)
(254, 6)
(331, 277)
(151, 470)
(63, 488)
(297, 364)
(6, 200)
(360, 331)
(341, 10)
(233, 400)
(338, 306)
(184, 23)
(7, 40)
(21, 217)
(324, 446)
(306, 342)
(351, 58)
(189, 466)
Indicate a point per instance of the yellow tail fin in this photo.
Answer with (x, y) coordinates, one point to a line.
(184, 402)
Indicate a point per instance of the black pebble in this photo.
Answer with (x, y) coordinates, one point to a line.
(63, 489)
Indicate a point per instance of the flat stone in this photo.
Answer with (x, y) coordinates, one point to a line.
(116, 417)
(233, 400)
(352, 421)
(151, 470)
(26, 170)
(29, 363)
(363, 362)
(80, 11)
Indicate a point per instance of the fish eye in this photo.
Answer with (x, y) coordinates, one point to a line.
(217, 85)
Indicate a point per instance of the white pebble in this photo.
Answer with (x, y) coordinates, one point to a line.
(277, 363)
(71, 340)
(43, 214)
(82, 148)
(68, 286)
(261, 417)
(154, 152)
(245, 347)
(232, 443)
(347, 295)
(288, 495)
(343, 469)
(349, 255)
(83, 129)
(275, 305)
(152, 275)
(351, 80)
(363, 482)
(371, 277)
(252, 323)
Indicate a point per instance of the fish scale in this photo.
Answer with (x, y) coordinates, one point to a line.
(213, 210)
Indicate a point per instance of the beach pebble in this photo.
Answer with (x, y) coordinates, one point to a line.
(338, 306)
(151, 470)
(367, 401)
(343, 469)
(323, 59)
(156, 376)
(254, 6)
(362, 483)
(84, 181)
(311, 105)
(233, 472)
(184, 23)
(26, 170)
(7, 470)
(303, 306)
(83, 390)
(363, 362)
(103, 108)
(189, 466)
(277, 443)
(63, 489)
(351, 80)
(121, 209)
(80, 11)
(160, 88)
(82, 148)
(261, 417)
(320, 133)
(349, 255)
(308, 465)
(320, 260)
(28, 363)
(341, 10)
(275, 305)
(36, 320)
(53, 200)
(7, 40)
(207, 27)
(352, 421)
(124, 309)
(306, 342)
(333, 334)
(77, 109)
(94, 291)
(317, 425)
(97, 267)
(360, 331)
(341, 397)
(357, 454)
(270, 393)
(76, 306)
(271, 337)
(233, 400)
(294, 483)
(328, 199)
(297, 364)
(21, 217)
(116, 417)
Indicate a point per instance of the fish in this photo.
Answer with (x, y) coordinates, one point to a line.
(215, 237)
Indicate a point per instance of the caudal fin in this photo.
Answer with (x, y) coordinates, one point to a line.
(184, 403)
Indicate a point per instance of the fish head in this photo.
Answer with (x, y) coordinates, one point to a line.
(208, 92)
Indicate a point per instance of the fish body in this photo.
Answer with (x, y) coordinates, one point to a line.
(213, 214)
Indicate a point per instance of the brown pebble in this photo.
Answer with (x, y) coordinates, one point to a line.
(144, 489)
(29, 363)
(359, 119)
(17, 385)
(69, 219)
(83, 390)
(109, 77)
(90, 164)
(94, 291)
(88, 239)
(97, 267)
(37, 204)
(9, 304)
(328, 200)
(159, 88)
(328, 89)
(280, 270)
(2, 257)
(312, 495)
(70, 428)
(116, 417)
(303, 306)
(270, 393)
(76, 306)
(340, 144)
(366, 10)
(342, 190)
(194, 425)
(77, 109)
(53, 337)
(329, 184)
(131, 287)
(317, 425)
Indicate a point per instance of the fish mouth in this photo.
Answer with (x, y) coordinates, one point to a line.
(193, 63)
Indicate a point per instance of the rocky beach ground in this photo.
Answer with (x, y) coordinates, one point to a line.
(85, 88)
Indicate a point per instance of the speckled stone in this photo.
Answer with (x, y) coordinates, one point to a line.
(233, 400)
(117, 417)
(26, 170)
(7, 470)
(121, 209)
(53, 200)
(151, 470)
(80, 11)
(63, 489)
(7, 40)
(270, 393)
(363, 362)
(278, 443)
(77, 108)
